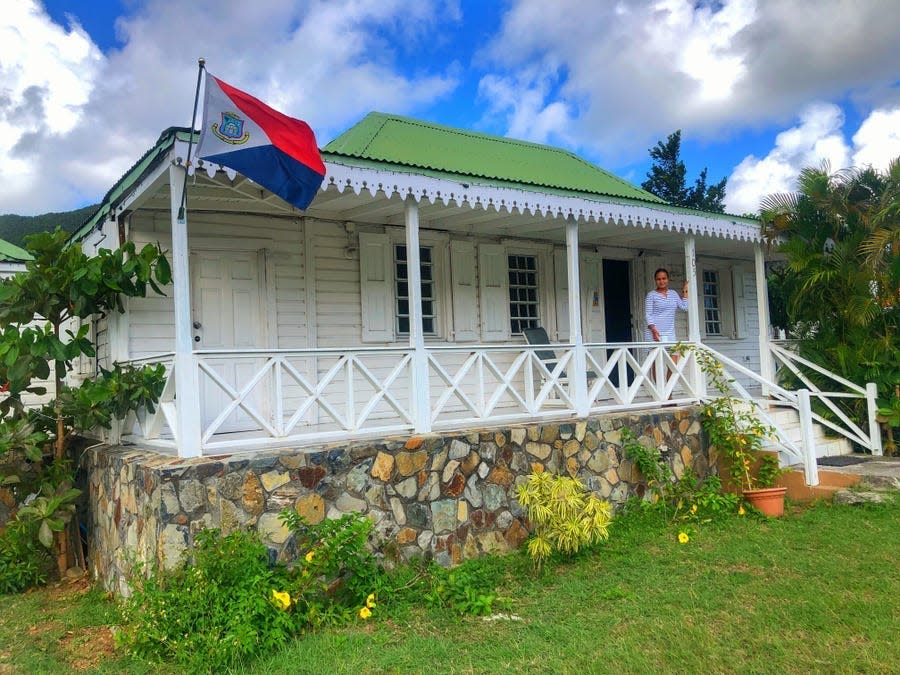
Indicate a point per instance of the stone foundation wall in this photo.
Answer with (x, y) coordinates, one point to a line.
(449, 497)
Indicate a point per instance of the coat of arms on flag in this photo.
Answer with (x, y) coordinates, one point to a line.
(276, 151)
(231, 129)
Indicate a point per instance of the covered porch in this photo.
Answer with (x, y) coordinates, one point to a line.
(396, 304)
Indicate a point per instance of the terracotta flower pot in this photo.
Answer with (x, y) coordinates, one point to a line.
(769, 501)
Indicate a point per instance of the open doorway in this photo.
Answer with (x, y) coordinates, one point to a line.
(617, 302)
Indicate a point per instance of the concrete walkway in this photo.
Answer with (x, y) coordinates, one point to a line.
(874, 472)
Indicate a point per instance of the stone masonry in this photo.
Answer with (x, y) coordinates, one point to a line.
(449, 497)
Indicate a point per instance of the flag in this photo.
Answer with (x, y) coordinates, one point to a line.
(243, 133)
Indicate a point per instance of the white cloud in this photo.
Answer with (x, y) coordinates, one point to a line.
(46, 72)
(815, 139)
(631, 72)
(327, 62)
(877, 141)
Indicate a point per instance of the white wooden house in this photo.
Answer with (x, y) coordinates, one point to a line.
(395, 303)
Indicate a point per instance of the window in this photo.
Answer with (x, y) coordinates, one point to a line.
(523, 295)
(401, 276)
(712, 307)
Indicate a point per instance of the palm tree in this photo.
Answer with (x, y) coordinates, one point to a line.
(840, 236)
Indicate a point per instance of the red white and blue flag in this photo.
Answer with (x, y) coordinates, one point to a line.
(276, 151)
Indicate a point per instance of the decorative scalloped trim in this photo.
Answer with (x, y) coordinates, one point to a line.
(433, 190)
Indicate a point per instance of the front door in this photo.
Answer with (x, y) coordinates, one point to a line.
(227, 316)
(617, 302)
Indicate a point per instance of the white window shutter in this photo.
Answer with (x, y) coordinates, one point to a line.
(740, 305)
(493, 269)
(726, 303)
(464, 291)
(561, 278)
(376, 287)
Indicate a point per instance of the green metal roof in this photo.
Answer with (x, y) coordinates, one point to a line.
(392, 142)
(406, 142)
(11, 252)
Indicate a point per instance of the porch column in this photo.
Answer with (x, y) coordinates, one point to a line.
(420, 397)
(766, 365)
(187, 389)
(579, 369)
(690, 270)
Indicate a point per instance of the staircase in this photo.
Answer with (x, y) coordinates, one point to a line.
(788, 422)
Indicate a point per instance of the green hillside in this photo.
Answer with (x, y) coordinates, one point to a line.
(14, 228)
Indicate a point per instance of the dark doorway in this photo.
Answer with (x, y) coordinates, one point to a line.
(617, 305)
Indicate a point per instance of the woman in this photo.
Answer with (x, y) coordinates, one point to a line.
(660, 306)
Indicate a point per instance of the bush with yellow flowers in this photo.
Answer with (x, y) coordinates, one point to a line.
(226, 602)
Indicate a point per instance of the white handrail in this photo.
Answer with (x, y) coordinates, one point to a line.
(850, 429)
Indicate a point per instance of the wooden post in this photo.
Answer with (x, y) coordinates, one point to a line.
(690, 271)
(187, 388)
(421, 396)
(766, 364)
(578, 372)
(874, 428)
(810, 467)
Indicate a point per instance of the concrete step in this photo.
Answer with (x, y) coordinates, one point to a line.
(830, 482)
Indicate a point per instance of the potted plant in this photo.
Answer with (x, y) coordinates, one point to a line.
(737, 433)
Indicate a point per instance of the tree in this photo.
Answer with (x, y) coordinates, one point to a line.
(38, 310)
(839, 233)
(667, 179)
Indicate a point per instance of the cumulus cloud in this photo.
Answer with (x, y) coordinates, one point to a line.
(817, 138)
(73, 119)
(636, 70)
(877, 141)
(46, 73)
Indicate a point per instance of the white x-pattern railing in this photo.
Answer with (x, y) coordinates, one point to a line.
(801, 369)
(315, 395)
(308, 395)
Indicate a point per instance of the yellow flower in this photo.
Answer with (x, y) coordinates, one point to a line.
(309, 556)
(365, 613)
(370, 601)
(282, 599)
(683, 538)
(741, 510)
(693, 508)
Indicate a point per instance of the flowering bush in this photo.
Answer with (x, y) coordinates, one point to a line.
(226, 603)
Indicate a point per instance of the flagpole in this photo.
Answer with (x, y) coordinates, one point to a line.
(201, 63)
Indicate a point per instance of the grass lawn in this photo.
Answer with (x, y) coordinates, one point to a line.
(816, 591)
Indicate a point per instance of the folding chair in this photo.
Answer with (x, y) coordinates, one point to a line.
(538, 337)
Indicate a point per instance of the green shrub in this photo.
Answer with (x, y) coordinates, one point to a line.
(678, 499)
(214, 610)
(467, 589)
(226, 604)
(23, 561)
(566, 518)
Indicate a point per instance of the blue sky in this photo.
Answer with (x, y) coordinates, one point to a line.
(760, 88)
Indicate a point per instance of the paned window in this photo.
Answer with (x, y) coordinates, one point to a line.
(712, 306)
(401, 275)
(523, 293)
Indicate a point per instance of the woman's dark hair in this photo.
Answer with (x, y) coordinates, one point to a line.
(661, 269)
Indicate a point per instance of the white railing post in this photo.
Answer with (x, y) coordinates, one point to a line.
(690, 271)
(421, 397)
(810, 467)
(766, 363)
(187, 387)
(579, 361)
(874, 428)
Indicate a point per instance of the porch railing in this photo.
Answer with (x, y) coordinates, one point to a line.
(255, 398)
(785, 359)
